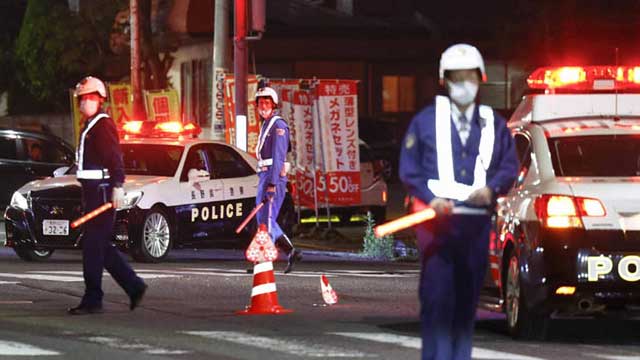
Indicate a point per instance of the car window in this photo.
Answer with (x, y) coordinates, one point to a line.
(196, 159)
(40, 150)
(152, 160)
(8, 148)
(228, 163)
(607, 156)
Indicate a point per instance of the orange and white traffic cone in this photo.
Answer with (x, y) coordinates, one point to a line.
(329, 295)
(264, 297)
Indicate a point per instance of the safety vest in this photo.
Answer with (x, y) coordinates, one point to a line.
(89, 174)
(446, 186)
(263, 136)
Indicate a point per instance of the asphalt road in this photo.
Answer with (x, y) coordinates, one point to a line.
(189, 313)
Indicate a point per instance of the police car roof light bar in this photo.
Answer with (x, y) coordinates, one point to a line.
(586, 78)
(153, 129)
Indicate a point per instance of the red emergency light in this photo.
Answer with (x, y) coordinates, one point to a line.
(152, 129)
(586, 78)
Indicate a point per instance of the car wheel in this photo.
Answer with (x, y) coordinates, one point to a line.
(156, 238)
(33, 254)
(522, 322)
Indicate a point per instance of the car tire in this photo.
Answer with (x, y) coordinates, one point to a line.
(522, 323)
(156, 237)
(33, 255)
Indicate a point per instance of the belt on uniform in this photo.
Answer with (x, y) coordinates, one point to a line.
(265, 162)
(92, 174)
(263, 165)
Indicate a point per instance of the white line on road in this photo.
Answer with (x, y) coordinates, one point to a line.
(9, 282)
(288, 346)
(122, 344)
(79, 274)
(42, 277)
(416, 343)
(616, 357)
(12, 348)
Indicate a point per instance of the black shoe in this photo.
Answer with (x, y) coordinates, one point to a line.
(294, 256)
(85, 310)
(136, 298)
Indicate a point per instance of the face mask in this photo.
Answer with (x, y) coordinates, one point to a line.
(89, 107)
(265, 113)
(462, 93)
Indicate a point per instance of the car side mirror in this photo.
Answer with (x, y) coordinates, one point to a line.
(60, 171)
(195, 176)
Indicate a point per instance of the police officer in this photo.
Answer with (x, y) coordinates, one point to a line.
(457, 157)
(271, 151)
(101, 173)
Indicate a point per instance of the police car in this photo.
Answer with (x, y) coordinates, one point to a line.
(180, 192)
(567, 235)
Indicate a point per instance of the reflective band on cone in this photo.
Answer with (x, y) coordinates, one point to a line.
(264, 296)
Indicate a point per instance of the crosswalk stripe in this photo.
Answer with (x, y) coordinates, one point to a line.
(79, 274)
(9, 282)
(288, 346)
(42, 277)
(12, 348)
(416, 343)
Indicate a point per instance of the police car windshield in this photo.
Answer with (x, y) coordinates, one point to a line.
(152, 160)
(604, 155)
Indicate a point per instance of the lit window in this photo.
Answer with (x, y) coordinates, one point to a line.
(398, 93)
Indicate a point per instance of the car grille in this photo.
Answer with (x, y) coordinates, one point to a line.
(55, 209)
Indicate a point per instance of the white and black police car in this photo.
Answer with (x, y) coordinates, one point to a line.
(180, 192)
(567, 235)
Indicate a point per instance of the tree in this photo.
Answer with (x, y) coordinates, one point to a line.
(55, 48)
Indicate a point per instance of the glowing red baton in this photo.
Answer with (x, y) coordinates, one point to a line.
(249, 217)
(405, 222)
(86, 217)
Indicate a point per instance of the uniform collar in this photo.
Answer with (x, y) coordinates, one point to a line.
(455, 112)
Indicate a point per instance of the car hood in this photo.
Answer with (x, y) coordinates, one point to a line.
(132, 182)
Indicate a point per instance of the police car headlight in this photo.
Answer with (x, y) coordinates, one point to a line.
(19, 201)
(131, 199)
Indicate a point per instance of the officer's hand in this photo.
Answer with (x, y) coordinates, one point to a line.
(118, 197)
(480, 197)
(441, 206)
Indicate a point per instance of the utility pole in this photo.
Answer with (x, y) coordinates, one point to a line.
(240, 67)
(219, 67)
(139, 112)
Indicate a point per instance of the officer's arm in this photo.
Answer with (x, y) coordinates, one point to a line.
(280, 146)
(111, 154)
(507, 160)
(411, 172)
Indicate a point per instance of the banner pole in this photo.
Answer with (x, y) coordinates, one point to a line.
(324, 164)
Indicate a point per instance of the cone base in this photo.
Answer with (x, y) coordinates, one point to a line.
(274, 310)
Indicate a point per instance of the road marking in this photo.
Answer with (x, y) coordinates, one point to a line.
(416, 343)
(616, 357)
(68, 276)
(122, 344)
(292, 347)
(42, 277)
(79, 274)
(15, 302)
(12, 348)
(328, 273)
(9, 282)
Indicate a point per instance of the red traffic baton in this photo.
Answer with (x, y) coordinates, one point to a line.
(405, 222)
(249, 217)
(90, 215)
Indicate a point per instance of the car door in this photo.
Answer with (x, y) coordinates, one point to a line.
(239, 182)
(199, 215)
(11, 168)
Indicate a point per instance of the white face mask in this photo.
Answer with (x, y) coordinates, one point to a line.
(462, 93)
(265, 113)
(88, 108)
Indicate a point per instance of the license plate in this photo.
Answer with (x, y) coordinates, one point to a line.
(55, 227)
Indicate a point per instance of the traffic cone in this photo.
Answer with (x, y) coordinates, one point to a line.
(329, 295)
(264, 297)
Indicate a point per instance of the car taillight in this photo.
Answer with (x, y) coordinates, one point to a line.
(561, 211)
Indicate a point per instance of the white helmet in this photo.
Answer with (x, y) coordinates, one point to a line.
(267, 92)
(461, 57)
(90, 85)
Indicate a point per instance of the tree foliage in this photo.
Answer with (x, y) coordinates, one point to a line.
(56, 47)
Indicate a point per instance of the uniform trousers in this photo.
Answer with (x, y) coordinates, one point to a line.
(453, 251)
(98, 250)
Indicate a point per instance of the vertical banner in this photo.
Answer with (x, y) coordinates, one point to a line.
(253, 125)
(218, 111)
(121, 101)
(304, 123)
(76, 118)
(338, 129)
(162, 105)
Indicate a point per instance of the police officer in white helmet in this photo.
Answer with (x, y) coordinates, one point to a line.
(457, 157)
(101, 173)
